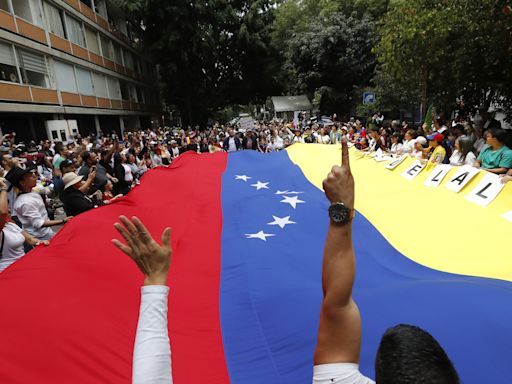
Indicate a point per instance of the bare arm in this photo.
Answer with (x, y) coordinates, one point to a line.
(88, 183)
(339, 334)
(497, 171)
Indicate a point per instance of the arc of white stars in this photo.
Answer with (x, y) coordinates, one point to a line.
(292, 200)
(259, 185)
(260, 235)
(282, 221)
(242, 177)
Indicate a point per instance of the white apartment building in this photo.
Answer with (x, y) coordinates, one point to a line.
(71, 66)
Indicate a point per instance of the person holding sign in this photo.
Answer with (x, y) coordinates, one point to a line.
(496, 157)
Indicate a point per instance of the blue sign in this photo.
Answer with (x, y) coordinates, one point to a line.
(369, 98)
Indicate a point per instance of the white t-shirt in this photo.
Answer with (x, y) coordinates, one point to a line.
(128, 176)
(232, 145)
(408, 146)
(325, 139)
(396, 148)
(346, 373)
(456, 158)
(13, 245)
(31, 211)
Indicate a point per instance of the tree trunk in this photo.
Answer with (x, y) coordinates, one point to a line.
(424, 92)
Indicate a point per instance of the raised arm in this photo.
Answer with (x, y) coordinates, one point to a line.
(152, 352)
(339, 334)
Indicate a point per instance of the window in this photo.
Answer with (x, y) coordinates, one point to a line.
(75, 31)
(100, 85)
(8, 68)
(125, 94)
(92, 41)
(54, 20)
(33, 68)
(84, 80)
(4, 5)
(87, 2)
(140, 95)
(128, 60)
(118, 54)
(133, 93)
(106, 47)
(28, 10)
(65, 77)
(101, 8)
(114, 90)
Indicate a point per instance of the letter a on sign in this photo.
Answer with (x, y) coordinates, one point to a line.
(461, 178)
(437, 175)
(413, 171)
(486, 191)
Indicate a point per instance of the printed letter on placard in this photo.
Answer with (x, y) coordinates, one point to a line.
(396, 162)
(437, 175)
(413, 171)
(486, 191)
(464, 175)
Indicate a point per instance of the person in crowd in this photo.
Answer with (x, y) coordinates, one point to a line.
(123, 173)
(75, 201)
(250, 141)
(463, 153)
(29, 206)
(396, 144)
(496, 157)
(175, 151)
(231, 142)
(437, 153)
(419, 148)
(507, 177)
(12, 237)
(323, 137)
(408, 144)
(406, 354)
(60, 155)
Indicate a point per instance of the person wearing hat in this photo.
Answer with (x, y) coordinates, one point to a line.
(437, 151)
(74, 200)
(29, 206)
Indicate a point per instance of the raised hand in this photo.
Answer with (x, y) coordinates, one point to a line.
(339, 184)
(152, 259)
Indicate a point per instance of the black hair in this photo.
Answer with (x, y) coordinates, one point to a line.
(499, 134)
(408, 354)
(466, 146)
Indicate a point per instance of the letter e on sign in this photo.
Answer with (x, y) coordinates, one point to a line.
(486, 191)
(413, 171)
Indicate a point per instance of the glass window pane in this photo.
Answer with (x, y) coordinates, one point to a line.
(100, 85)
(114, 90)
(75, 32)
(4, 5)
(65, 77)
(54, 20)
(106, 47)
(22, 9)
(128, 60)
(92, 41)
(84, 81)
(118, 54)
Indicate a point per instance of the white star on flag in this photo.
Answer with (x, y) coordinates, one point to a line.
(293, 201)
(281, 221)
(260, 235)
(287, 192)
(259, 185)
(242, 177)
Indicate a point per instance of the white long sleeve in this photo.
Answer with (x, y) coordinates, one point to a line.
(152, 352)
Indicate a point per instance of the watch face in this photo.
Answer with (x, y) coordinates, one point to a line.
(339, 213)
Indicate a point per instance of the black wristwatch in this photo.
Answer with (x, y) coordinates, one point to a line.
(341, 214)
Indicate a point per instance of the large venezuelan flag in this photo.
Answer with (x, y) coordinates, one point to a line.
(248, 234)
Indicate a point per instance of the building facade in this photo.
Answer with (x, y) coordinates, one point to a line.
(71, 66)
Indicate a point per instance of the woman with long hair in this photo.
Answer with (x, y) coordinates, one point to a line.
(463, 153)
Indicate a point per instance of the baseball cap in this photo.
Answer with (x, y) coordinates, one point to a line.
(436, 137)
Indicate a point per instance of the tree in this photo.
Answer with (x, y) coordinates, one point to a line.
(449, 50)
(333, 56)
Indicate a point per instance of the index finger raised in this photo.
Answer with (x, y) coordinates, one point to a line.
(345, 158)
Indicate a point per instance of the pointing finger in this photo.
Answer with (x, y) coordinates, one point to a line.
(345, 161)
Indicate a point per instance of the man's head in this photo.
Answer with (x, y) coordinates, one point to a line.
(496, 137)
(27, 180)
(90, 158)
(67, 166)
(407, 354)
(72, 180)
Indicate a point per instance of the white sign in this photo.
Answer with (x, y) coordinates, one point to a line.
(414, 170)
(396, 163)
(463, 176)
(487, 190)
(437, 175)
(507, 216)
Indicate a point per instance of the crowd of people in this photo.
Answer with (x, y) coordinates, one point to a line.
(87, 172)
